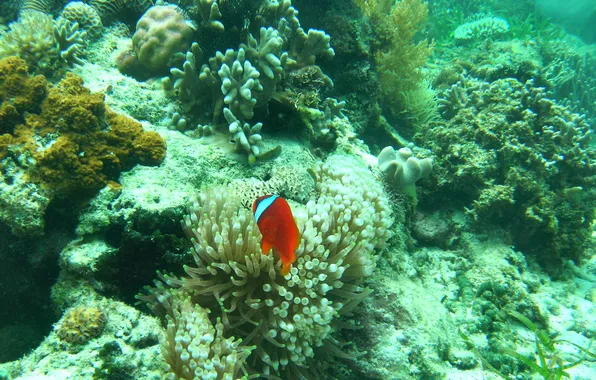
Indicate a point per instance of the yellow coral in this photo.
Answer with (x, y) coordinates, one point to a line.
(86, 145)
(150, 148)
(18, 92)
(399, 59)
(81, 324)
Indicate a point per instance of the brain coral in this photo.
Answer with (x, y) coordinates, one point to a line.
(289, 319)
(86, 16)
(161, 32)
(81, 324)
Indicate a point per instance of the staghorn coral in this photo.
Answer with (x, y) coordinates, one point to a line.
(289, 320)
(80, 324)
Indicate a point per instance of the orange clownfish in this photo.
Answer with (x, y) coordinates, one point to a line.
(278, 227)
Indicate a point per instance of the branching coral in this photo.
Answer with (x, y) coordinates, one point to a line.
(288, 318)
(43, 43)
(242, 76)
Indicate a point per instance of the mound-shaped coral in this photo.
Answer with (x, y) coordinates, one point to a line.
(290, 319)
(161, 32)
(81, 324)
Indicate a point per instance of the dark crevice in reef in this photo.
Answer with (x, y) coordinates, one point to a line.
(28, 271)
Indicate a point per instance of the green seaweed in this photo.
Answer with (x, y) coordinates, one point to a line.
(547, 362)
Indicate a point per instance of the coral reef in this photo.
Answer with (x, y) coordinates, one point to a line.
(480, 27)
(288, 318)
(243, 77)
(516, 158)
(81, 324)
(127, 348)
(61, 142)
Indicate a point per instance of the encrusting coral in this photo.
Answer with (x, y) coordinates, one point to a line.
(289, 319)
(77, 144)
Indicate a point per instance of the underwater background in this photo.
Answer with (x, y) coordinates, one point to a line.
(437, 156)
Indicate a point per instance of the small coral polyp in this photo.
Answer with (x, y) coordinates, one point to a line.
(81, 324)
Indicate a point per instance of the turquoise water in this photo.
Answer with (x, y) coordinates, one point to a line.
(437, 159)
